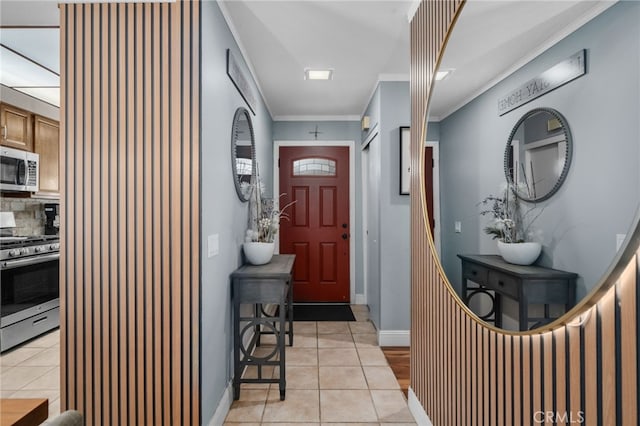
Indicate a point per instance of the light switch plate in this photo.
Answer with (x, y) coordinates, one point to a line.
(458, 226)
(213, 245)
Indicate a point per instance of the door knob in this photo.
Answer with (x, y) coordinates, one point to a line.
(345, 236)
(344, 225)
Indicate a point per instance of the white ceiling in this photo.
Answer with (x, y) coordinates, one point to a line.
(364, 41)
(492, 39)
(30, 57)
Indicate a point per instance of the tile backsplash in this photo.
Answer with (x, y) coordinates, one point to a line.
(29, 214)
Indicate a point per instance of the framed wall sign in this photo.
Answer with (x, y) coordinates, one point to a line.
(405, 160)
(237, 76)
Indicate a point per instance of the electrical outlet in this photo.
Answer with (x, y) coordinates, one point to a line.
(213, 245)
(458, 226)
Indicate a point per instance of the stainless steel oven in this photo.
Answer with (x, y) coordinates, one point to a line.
(29, 288)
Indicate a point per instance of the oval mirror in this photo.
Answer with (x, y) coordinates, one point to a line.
(538, 154)
(242, 152)
(581, 217)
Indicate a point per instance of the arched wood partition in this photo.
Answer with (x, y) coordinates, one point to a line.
(130, 258)
(465, 372)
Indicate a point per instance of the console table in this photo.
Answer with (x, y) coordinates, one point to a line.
(524, 284)
(260, 285)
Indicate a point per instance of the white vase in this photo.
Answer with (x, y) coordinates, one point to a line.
(258, 253)
(519, 253)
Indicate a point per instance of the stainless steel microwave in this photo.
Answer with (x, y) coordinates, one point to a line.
(19, 170)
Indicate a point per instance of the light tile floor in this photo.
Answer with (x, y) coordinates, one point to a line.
(33, 371)
(336, 374)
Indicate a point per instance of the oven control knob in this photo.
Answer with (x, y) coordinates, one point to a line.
(24, 250)
(39, 249)
(55, 246)
(14, 253)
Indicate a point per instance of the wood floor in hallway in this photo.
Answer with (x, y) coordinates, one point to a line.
(398, 359)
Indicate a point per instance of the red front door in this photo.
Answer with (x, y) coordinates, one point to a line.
(318, 231)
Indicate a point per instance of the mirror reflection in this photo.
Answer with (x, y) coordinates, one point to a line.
(242, 152)
(538, 154)
(577, 146)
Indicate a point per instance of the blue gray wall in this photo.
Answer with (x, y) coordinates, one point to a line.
(433, 131)
(222, 212)
(371, 154)
(388, 286)
(599, 199)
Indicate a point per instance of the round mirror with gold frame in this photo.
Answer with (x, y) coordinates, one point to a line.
(585, 218)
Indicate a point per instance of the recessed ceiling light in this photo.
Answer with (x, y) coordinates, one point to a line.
(441, 75)
(318, 74)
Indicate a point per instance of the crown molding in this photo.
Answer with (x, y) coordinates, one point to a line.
(551, 41)
(243, 51)
(316, 118)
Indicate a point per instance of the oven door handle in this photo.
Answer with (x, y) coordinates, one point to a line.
(16, 263)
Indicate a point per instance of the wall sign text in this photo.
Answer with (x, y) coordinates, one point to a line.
(556, 76)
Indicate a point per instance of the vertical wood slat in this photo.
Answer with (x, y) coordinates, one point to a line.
(77, 213)
(145, 32)
(111, 238)
(589, 386)
(559, 377)
(95, 367)
(130, 174)
(196, 206)
(607, 349)
(105, 135)
(64, 133)
(156, 207)
(549, 378)
(139, 209)
(578, 370)
(629, 320)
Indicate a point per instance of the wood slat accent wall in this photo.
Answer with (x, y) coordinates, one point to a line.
(465, 372)
(130, 182)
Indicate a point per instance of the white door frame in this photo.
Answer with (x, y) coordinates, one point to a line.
(352, 197)
(435, 145)
(364, 167)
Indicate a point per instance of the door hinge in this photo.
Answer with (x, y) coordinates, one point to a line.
(433, 163)
(278, 163)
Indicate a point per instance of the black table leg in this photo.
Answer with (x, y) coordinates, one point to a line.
(290, 312)
(281, 346)
(236, 353)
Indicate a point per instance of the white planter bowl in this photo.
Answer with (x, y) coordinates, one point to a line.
(258, 253)
(519, 253)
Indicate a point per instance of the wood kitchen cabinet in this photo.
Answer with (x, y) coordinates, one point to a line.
(47, 144)
(16, 126)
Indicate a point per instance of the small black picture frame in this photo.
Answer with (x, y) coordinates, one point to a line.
(405, 159)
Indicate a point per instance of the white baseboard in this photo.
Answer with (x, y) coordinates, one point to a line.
(223, 406)
(421, 417)
(361, 299)
(394, 338)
